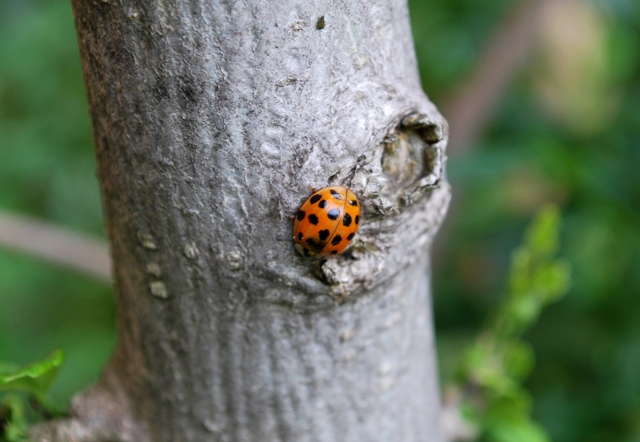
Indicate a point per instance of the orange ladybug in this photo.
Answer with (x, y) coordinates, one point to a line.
(326, 222)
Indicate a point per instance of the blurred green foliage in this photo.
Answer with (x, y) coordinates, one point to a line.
(13, 422)
(489, 379)
(47, 171)
(27, 383)
(35, 378)
(567, 131)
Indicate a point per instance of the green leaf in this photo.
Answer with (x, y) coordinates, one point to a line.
(519, 273)
(552, 281)
(520, 431)
(36, 377)
(542, 235)
(508, 420)
(12, 415)
(519, 360)
(516, 407)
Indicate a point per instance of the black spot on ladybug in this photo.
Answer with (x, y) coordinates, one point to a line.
(334, 252)
(324, 234)
(301, 215)
(346, 220)
(335, 194)
(333, 214)
(357, 219)
(353, 203)
(299, 236)
(322, 204)
(310, 242)
(312, 219)
(314, 199)
(350, 237)
(336, 240)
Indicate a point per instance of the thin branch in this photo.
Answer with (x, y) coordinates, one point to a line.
(56, 245)
(470, 108)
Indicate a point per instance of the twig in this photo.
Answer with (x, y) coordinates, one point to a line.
(57, 245)
(470, 107)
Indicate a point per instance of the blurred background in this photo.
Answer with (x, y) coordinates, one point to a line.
(543, 101)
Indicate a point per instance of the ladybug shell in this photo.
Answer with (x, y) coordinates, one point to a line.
(326, 222)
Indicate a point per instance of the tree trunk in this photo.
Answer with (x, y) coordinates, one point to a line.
(211, 121)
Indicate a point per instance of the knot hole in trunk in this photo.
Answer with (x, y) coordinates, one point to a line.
(412, 157)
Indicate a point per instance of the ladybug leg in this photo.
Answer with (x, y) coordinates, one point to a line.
(313, 189)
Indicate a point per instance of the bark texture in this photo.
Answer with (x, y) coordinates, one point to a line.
(211, 120)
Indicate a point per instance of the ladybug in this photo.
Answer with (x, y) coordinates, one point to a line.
(326, 222)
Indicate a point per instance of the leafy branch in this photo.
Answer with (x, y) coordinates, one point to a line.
(33, 380)
(489, 386)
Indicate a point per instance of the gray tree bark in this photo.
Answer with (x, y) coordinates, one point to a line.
(211, 121)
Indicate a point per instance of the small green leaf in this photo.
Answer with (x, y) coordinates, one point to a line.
(526, 310)
(553, 280)
(519, 273)
(519, 360)
(520, 431)
(512, 408)
(542, 235)
(36, 377)
(14, 428)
